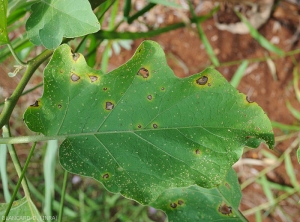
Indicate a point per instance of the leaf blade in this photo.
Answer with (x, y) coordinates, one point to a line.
(140, 129)
(3, 22)
(47, 23)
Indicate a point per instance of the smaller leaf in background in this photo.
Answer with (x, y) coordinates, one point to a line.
(22, 210)
(238, 75)
(295, 82)
(208, 47)
(49, 175)
(49, 23)
(261, 40)
(294, 112)
(3, 23)
(195, 203)
(272, 68)
(298, 154)
(170, 3)
(290, 170)
(3, 172)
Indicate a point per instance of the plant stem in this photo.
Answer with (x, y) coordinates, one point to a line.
(20, 172)
(208, 47)
(15, 55)
(141, 12)
(61, 209)
(11, 102)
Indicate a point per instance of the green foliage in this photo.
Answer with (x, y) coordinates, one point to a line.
(139, 119)
(66, 18)
(195, 203)
(22, 210)
(3, 22)
(162, 141)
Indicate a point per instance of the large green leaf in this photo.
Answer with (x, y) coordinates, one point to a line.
(21, 210)
(51, 20)
(195, 203)
(139, 129)
(3, 22)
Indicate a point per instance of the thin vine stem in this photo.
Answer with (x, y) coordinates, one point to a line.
(11, 102)
(15, 55)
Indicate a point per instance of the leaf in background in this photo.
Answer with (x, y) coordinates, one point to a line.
(261, 40)
(298, 154)
(199, 204)
(3, 23)
(293, 111)
(238, 75)
(3, 172)
(167, 3)
(49, 175)
(140, 129)
(21, 210)
(51, 20)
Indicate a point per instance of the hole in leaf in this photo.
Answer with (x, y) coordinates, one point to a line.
(202, 80)
(105, 176)
(74, 77)
(143, 72)
(149, 97)
(93, 78)
(59, 105)
(162, 88)
(104, 88)
(139, 126)
(75, 56)
(173, 205)
(35, 104)
(155, 125)
(109, 106)
(180, 202)
(224, 209)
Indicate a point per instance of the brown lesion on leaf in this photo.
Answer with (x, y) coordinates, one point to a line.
(248, 99)
(109, 105)
(143, 72)
(74, 77)
(197, 152)
(227, 186)
(224, 209)
(173, 205)
(75, 56)
(35, 104)
(106, 176)
(93, 78)
(202, 80)
(180, 202)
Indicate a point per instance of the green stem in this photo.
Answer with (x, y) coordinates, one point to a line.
(102, 34)
(11, 102)
(27, 91)
(141, 12)
(204, 39)
(15, 55)
(20, 172)
(61, 209)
